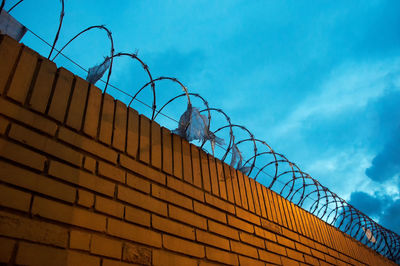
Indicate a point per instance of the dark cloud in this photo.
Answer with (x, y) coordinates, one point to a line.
(391, 218)
(370, 205)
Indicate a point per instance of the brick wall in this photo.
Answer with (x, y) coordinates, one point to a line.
(86, 181)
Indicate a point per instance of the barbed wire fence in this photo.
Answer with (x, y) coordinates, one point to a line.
(237, 146)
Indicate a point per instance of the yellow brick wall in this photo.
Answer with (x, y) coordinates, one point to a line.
(86, 181)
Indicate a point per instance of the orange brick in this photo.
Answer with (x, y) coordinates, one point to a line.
(307, 242)
(137, 183)
(223, 205)
(247, 261)
(29, 180)
(89, 164)
(295, 255)
(166, 150)
(33, 254)
(107, 119)
(310, 260)
(205, 171)
(302, 248)
(285, 241)
(137, 216)
(78, 101)
(144, 142)
(172, 227)
(68, 214)
(250, 200)
(196, 165)
(177, 156)
(221, 179)
(269, 257)
(133, 233)
(253, 191)
(237, 223)
(164, 258)
(108, 206)
(223, 230)
(15, 199)
(62, 89)
(221, 256)
(235, 183)
(136, 254)
(171, 196)
(187, 162)
(9, 51)
(289, 262)
(132, 135)
(330, 259)
(112, 172)
(242, 189)
(261, 200)
(185, 188)
(209, 212)
(183, 246)
(229, 184)
(120, 124)
(244, 249)
(317, 254)
(16, 226)
(81, 178)
(28, 118)
(142, 169)
(79, 240)
(275, 248)
(248, 216)
(45, 144)
(251, 239)
(106, 247)
(88, 145)
(77, 258)
(264, 233)
(290, 234)
(156, 145)
(187, 217)
(3, 125)
(21, 155)
(91, 121)
(212, 240)
(85, 198)
(213, 175)
(141, 200)
(43, 85)
(7, 247)
(268, 207)
(23, 75)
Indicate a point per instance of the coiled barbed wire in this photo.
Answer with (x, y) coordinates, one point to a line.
(274, 169)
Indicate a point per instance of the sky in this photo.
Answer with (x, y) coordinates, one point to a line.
(319, 81)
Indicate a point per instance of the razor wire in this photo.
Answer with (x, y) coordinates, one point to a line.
(264, 164)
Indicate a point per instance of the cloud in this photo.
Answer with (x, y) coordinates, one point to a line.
(391, 218)
(370, 205)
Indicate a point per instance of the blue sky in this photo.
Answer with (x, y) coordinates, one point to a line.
(318, 80)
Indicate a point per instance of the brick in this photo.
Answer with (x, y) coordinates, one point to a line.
(290, 234)
(248, 216)
(156, 153)
(172, 227)
(247, 261)
(295, 255)
(79, 240)
(89, 164)
(221, 256)
(21, 155)
(141, 200)
(144, 142)
(196, 166)
(33, 254)
(271, 226)
(107, 119)
(85, 198)
(220, 204)
(237, 223)
(310, 260)
(261, 199)
(9, 51)
(68, 214)
(16, 226)
(134, 233)
(166, 151)
(92, 114)
(142, 169)
(81, 178)
(34, 182)
(132, 134)
(62, 89)
(43, 85)
(269, 257)
(253, 191)
(302, 248)
(4, 123)
(108, 206)
(223, 230)
(106, 247)
(23, 75)
(251, 239)
(235, 183)
(244, 249)
(137, 183)
(171, 196)
(88, 145)
(205, 171)
(45, 144)
(137, 254)
(183, 246)
(285, 241)
(78, 101)
(275, 248)
(77, 258)
(330, 259)
(317, 254)
(185, 188)
(213, 175)
(177, 156)
(289, 262)
(28, 118)
(187, 217)
(207, 263)
(221, 179)
(242, 190)
(212, 240)
(250, 199)
(6, 250)
(120, 125)
(229, 184)
(264, 233)
(112, 172)
(268, 207)
(164, 258)
(187, 162)
(137, 216)
(209, 212)
(15, 199)
(107, 262)
(307, 242)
